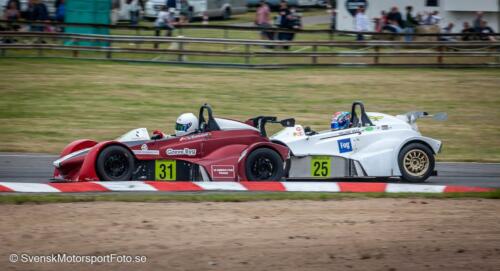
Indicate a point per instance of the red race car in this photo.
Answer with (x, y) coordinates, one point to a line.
(212, 149)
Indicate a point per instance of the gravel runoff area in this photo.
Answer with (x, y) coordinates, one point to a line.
(349, 234)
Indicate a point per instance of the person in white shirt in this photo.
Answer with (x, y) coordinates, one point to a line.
(165, 20)
(362, 22)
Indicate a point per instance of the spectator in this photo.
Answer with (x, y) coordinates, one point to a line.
(447, 30)
(333, 19)
(16, 2)
(184, 12)
(477, 21)
(133, 6)
(171, 4)
(38, 12)
(381, 21)
(410, 24)
(263, 19)
(285, 21)
(361, 22)
(469, 31)
(12, 13)
(165, 20)
(60, 10)
(395, 16)
(392, 26)
(115, 10)
(485, 32)
(433, 18)
(420, 18)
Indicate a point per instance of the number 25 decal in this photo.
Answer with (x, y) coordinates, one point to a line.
(320, 166)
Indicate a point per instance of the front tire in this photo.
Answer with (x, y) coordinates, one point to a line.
(264, 165)
(416, 162)
(115, 163)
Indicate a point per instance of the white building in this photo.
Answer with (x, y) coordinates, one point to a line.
(451, 11)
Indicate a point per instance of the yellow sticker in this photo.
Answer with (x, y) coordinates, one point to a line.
(165, 170)
(320, 166)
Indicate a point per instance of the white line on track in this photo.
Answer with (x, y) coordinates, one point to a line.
(30, 155)
(475, 163)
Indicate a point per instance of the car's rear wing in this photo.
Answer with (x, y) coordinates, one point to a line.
(261, 121)
(412, 117)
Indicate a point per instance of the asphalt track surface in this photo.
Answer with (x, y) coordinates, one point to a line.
(37, 168)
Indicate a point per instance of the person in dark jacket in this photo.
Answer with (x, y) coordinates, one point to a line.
(395, 16)
(410, 24)
(468, 31)
(485, 31)
(38, 12)
(285, 20)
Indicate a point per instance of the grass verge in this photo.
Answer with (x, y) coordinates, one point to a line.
(228, 197)
(45, 104)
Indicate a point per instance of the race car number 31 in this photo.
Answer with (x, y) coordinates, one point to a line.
(320, 166)
(165, 170)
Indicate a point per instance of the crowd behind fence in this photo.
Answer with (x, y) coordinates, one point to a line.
(252, 52)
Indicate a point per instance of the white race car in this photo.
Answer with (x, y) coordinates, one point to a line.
(374, 145)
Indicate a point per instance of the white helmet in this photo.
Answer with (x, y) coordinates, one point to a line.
(186, 124)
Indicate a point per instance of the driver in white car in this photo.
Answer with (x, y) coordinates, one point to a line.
(186, 124)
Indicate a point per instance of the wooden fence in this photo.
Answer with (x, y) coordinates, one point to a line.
(252, 53)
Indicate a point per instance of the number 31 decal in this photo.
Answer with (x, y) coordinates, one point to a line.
(165, 170)
(320, 166)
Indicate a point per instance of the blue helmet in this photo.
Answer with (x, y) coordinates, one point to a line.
(340, 120)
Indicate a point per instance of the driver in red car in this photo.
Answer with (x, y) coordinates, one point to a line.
(186, 124)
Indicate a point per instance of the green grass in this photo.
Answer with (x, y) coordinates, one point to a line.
(45, 104)
(229, 197)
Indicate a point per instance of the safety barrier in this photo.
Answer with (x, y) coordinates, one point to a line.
(252, 53)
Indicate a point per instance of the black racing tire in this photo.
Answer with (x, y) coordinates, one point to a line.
(115, 163)
(226, 15)
(416, 162)
(264, 164)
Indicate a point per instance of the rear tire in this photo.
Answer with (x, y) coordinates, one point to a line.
(115, 163)
(416, 162)
(264, 165)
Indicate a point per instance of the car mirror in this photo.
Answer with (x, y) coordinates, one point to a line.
(288, 122)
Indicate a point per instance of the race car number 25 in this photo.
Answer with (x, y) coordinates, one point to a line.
(320, 166)
(165, 170)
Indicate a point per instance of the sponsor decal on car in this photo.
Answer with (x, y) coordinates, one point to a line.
(223, 171)
(144, 147)
(369, 129)
(191, 137)
(185, 151)
(298, 132)
(376, 118)
(146, 152)
(345, 145)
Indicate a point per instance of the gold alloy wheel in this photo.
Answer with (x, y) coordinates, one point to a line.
(416, 162)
